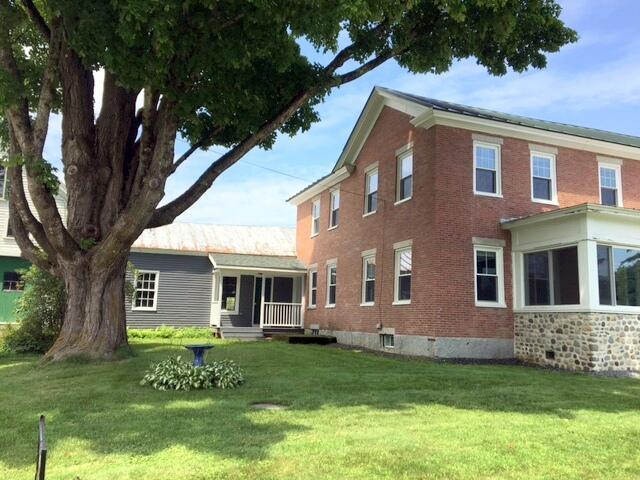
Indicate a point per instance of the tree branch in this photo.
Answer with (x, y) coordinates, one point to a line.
(27, 248)
(37, 18)
(193, 148)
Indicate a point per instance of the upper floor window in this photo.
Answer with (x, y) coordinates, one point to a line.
(487, 169)
(489, 276)
(543, 177)
(332, 283)
(315, 217)
(402, 284)
(404, 187)
(335, 208)
(371, 191)
(368, 278)
(146, 292)
(610, 184)
(313, 288)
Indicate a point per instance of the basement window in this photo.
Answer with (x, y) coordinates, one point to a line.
(387, 341)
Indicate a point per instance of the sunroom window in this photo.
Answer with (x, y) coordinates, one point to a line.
(551, 277)
(619, 276)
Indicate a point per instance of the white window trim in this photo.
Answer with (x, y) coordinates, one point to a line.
(331, 265)
(155, 292)
(554, 183)
(497, 147)
(367, 174)
(499, 251)
(312, 306)
(332, 193)
(407, 152)
(399, 248)
(238, 279)
(384, 336)
(366, 256)
(313, 203)
(618, 169)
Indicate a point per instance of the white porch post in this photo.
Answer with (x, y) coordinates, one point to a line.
(588, 272)
(262, 303)
(303, 290)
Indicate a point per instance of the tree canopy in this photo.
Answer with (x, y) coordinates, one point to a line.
(217, 72)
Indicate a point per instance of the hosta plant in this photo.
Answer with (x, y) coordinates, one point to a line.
(176, 374)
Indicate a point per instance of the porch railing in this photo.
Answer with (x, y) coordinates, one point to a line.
(282, 315)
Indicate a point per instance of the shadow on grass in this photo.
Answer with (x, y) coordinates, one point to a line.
(104, 405)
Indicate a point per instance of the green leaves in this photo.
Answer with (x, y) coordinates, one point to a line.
(176, 374)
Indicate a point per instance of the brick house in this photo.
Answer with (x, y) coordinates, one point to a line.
(451, 231)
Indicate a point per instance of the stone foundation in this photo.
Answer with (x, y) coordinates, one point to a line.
(597, 342)
(436, 347)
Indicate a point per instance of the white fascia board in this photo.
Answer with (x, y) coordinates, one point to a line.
(584, 208)
(167, 251)
(530, 134)
(330, 181)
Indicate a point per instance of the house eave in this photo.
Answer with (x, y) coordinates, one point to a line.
(433, 117)
(328, 182)
(582, 209)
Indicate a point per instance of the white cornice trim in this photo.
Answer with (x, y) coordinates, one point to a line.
(333, 179)
(535, 135)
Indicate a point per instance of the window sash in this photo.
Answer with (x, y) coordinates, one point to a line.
(315, 217)
(404, 184)
(371, 191)
(487, 277)
(332, 282)
(335, 208)
(313, 288)
(486, 165)
(543, 177)
(610, 185)
(368, 279)
(146, 290)
(403, 272)
(619, 276)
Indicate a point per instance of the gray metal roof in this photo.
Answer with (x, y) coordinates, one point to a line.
(257, 261)
(584, 132)
(193, 237)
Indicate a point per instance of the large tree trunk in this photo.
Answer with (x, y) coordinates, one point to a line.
(95, 321)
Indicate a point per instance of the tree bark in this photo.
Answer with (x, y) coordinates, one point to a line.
(95, 322)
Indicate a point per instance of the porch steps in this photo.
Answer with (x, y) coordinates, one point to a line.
(241, 333)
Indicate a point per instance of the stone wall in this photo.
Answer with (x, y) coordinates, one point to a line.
(596, 342)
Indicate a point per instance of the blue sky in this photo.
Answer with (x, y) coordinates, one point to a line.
(595, 83)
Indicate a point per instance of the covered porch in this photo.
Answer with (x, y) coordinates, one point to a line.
(256, 293)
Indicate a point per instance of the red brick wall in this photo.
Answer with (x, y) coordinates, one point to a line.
(440, 219)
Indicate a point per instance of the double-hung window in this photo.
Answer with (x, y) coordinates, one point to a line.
(619, 276)
(489, 276)
(368, 277)
(543, 177)
(146, 290)
(551, 277)
(315, 217)
(610, 184)
(371, 191)
(3, 183)
(402, 273)
(230, 294)
(487, 169)
(332, 283)
(335, 208)
(404, 184)
(313, 288)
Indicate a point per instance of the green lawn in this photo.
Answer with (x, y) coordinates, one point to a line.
(352, 415)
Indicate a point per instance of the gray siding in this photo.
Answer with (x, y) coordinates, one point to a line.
(184, 291)
(283, 289)
(245, 307)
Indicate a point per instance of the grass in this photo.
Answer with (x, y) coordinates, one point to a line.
(352, 415)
